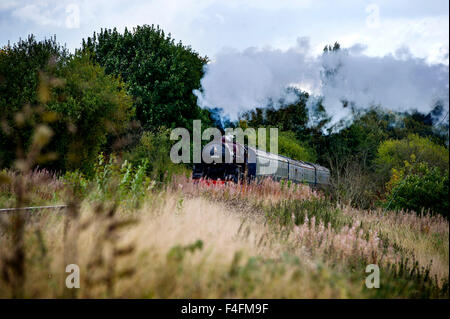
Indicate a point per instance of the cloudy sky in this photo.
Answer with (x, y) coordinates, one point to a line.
(209, 26)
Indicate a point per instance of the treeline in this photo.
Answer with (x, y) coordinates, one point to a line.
(399, 161)
(117, 93)
(122, 93)
(383, 158)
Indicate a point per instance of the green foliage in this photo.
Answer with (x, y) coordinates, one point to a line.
(417, 187)
(354, 153)
(178, 252)
(139, 182)
(160, 74)
(393, 153)
(104, 171)
(289, 146)
(289, 117)
(20, 65)
(95, 103)
(112, 181)
(80, 102)
(155, 147)
(19, 69)
(120, 182)
(358, 142)
(77, 182)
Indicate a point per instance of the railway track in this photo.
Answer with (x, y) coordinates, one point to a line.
(6, 210)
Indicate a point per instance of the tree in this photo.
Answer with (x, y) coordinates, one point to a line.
(288, 117)
(392, 154)
(80, 103)
(289, 146)
(95, 104)
(417, 186)
(20, 65)
(160, 74)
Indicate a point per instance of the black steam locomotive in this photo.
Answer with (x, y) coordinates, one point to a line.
(225, 160)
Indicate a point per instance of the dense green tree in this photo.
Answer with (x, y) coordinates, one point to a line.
(358, 141)
(97, 106)
(41, 82)
(20, 66)
(417, 186)
(393, 153)
(290, 146)
(287, 117)
(160, 74)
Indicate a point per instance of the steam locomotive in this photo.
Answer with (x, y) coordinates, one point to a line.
(225, 160)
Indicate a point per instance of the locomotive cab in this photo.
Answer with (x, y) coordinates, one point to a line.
(220, 162)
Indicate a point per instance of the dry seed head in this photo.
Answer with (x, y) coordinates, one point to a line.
(19, 118)
(42, 135)
(21, 165)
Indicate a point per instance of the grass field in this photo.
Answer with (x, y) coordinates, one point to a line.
(186, 240)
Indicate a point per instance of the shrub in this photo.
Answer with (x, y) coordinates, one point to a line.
(42, 82)
(393, 153)
(20, 65)
(154, 147)
(417, 187)
(351, 183)
(96, 105)
(77, 182)
(112, 181)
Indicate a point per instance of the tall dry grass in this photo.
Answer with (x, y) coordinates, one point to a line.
(43, 187)
(265, 191)
(423, 237)
(187, 242)
(164, 258)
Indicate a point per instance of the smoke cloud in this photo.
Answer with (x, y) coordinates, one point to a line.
(239, 81)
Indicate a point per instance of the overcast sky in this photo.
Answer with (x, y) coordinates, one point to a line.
(211, 25)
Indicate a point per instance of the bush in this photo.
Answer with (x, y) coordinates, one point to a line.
(393, 153)
(352, 184)
(112, 180)
(96, 105)
(417, 187)
(42, 82)
(20, 67)
(154, 147)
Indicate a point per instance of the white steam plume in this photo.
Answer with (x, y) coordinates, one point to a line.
(240, 81)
